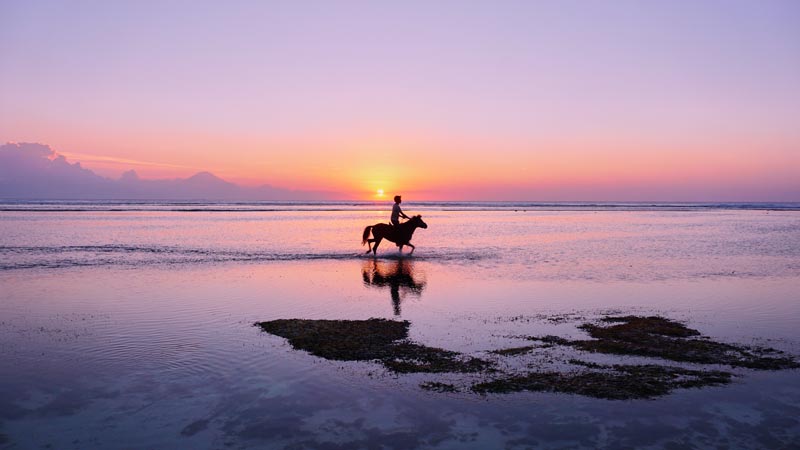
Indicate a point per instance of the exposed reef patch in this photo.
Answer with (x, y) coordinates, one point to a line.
(513, 350)
(438, 387)
(658, 337)
(381, 340)
(386, 342)
(617, 382)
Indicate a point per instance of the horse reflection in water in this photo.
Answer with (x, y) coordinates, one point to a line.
(397, 275)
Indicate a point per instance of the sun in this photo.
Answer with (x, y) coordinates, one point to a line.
(379, 192)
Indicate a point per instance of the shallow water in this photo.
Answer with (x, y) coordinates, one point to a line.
(133, 328)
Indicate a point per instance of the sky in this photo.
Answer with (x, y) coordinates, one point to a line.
(447, 100)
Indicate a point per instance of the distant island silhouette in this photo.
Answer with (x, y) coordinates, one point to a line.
(35, 171)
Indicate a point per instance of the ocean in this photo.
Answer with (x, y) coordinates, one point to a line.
(131, 324)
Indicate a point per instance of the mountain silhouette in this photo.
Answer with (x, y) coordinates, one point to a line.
(35, 171)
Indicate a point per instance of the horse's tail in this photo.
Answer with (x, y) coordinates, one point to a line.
(366, 234)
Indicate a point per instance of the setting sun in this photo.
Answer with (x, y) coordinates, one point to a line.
(379, 192)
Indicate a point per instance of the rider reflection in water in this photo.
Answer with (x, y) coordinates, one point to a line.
(398, 277)
(397, 213)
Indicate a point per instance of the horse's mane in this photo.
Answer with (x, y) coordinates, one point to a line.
(408, 222)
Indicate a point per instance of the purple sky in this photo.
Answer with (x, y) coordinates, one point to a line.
(536, 100)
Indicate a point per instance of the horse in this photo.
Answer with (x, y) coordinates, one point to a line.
(399, 234)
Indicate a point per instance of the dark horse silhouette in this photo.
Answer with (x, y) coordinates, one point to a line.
(399, 234)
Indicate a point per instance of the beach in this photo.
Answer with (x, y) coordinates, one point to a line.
(132, 325)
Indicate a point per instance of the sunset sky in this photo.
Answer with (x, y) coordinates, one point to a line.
(528, 100)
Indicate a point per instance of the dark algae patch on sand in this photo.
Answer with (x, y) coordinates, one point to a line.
(618, 382)
(659, 337)
(341, 340)
(408, 357)
(385, 341)
(438, 387)
(513, 350)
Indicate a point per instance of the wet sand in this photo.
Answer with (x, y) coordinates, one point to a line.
(122, 329)
(163, 360)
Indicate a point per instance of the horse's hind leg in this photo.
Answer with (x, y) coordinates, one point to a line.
(375, 247)
(369, 245)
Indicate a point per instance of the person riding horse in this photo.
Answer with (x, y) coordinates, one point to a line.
(399, 233)
(397, 213)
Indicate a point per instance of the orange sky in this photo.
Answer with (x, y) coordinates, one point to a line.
(450, 168)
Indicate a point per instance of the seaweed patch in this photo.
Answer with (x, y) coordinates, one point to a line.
(381, 340)
(658, 337)
(438, 387)
(617, 382)
(386, 342)
(513, 350)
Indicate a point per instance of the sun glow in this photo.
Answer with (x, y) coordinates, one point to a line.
(379, 193)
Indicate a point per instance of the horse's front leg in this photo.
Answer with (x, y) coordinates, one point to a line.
(412, 248)
(401, 248)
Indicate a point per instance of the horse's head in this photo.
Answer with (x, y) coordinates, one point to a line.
(417, 221)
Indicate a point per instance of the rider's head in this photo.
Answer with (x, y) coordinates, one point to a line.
(397, 199)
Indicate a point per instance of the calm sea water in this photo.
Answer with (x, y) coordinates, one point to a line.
(129, 324)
